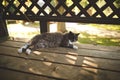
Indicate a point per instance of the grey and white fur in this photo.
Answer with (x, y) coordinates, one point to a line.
(50, 40)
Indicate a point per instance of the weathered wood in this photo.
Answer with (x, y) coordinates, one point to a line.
(60, 63)
(3, 27)
(84, 50)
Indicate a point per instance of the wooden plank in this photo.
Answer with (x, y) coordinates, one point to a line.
(62, 65)
(58, 69)
(21, 41)
(84, 50)
(78, 73)
(14, 75)
(53, 56)
(48, 66)
(92, 74)
(67, 59)
(27, 66)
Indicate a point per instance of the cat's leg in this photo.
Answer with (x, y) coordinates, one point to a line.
(28, 51)
(34, 47)
(24, 48)
(75, 47)
(71, 45)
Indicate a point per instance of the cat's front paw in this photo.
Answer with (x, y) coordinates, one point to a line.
(75, 47)
(28, 51)
(20, 50)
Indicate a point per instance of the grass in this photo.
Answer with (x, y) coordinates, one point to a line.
(96, 40)
(107, 26)
(101, 41)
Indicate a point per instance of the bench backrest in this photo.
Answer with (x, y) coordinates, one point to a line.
(84, 11)
(87, 11)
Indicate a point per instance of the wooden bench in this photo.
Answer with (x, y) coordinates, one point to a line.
(89, 62)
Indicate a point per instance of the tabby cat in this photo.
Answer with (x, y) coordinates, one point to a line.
(50, 40)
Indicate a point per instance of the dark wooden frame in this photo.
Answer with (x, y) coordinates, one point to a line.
(54, 15)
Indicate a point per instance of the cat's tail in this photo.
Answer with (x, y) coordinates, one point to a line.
(25, 49)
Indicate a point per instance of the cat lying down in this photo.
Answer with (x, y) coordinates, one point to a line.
(50, 40)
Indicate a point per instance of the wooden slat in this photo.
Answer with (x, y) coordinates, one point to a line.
(83, 49)
(20, 75)
(65, 59)
(49, 52)
(51, 65)
(27, 66)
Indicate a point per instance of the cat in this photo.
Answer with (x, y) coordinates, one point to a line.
(50, 40)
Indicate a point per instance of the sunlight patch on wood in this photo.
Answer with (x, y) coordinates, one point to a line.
(55, 74)
(90, 62)
(34, 71)
(72, 53)
(47, 63)
(37, 52)
(71, 61)
(71, 58)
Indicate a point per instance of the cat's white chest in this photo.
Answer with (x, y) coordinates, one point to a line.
(74, 47)
(70, 42)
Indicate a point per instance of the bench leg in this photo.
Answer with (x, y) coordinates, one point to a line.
(44, 27)
(3, 26)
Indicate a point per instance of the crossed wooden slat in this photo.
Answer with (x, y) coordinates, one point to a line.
(55, 9)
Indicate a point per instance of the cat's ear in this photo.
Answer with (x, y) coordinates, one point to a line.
(77, 34)
(70, 32)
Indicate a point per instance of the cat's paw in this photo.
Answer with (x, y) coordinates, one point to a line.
(28, 51)
(75, 47)
(20, 50)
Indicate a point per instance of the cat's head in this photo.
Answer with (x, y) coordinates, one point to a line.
(73, 36)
